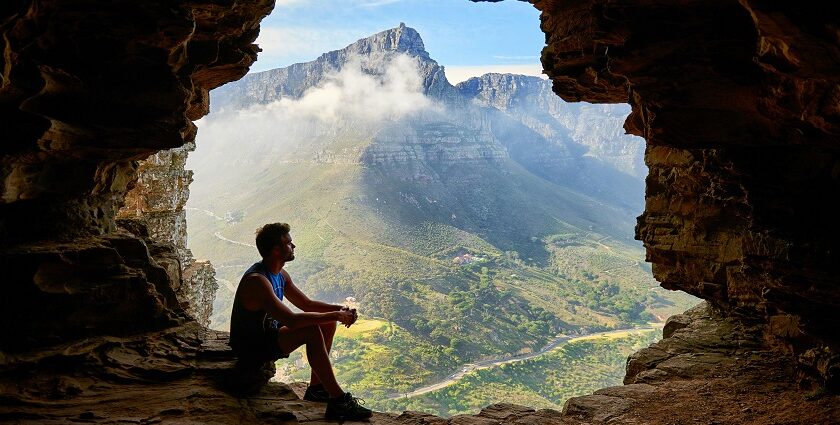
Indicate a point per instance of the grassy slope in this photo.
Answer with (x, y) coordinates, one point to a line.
(389, 241)
(577, 368)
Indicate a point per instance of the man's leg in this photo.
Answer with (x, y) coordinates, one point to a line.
(328, 330)
(316, 352)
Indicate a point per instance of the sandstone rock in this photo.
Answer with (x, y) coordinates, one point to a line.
(675, 323)
(155, 204)
(598, 408)
(705, 340)
(631, 391)
(738, 157)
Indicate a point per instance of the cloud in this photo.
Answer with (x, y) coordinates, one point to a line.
(280, 44)
(456, 74)
(354, 94)
(347, 99)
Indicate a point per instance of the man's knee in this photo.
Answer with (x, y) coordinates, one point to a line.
(312, 333)
(329, 327)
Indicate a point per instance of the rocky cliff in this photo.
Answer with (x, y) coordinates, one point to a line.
(89, 88)
(377, 51)
(154, 207)
(595, 130)
(741, 124)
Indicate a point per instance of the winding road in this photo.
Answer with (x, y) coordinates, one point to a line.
(486, 364)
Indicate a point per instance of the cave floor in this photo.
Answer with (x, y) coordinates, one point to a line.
(707, 386)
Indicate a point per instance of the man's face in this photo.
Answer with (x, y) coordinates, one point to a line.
(287, 248)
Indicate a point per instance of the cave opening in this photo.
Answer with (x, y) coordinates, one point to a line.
(737, 102)
(445, 199)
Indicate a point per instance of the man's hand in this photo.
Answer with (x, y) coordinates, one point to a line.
(346, 317)
(353, 311)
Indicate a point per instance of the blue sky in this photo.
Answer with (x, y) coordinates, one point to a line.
(467, 38)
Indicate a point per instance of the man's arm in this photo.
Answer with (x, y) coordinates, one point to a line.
(301, 301)
(258, 294)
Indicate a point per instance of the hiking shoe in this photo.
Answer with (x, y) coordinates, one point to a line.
(316, 393)
(347, 408)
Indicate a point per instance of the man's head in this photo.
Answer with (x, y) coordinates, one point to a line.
(274, 240)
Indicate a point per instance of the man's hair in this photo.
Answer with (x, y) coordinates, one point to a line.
(270, 236)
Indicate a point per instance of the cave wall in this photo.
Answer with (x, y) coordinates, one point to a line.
(739, 102)
(88, 89)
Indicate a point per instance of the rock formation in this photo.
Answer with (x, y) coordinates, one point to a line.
(739, 103)
(155, 206)
(89, 88)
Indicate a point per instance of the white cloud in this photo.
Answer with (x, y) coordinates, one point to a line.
(353, 94)
(456, 74)
(278, 44)
(349, 98)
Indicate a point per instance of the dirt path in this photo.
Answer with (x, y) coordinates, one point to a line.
(218, 235)
(207, 212)
(486, 364)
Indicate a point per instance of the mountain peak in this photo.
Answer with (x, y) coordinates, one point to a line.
(402, 39)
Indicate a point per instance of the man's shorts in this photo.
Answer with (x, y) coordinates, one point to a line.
(261, 349)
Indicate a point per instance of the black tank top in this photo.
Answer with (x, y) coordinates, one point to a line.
(248, 328)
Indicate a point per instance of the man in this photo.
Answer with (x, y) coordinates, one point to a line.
(263, 328)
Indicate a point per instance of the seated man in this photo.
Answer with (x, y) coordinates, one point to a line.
(262, 328)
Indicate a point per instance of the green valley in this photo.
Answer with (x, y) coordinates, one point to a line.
(469, 223)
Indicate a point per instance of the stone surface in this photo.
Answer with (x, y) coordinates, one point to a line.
(94, 94)
(596, 408)
(156, 202)
(706, 339)
(98, 285)
(100, 90)
(675, 323)
(738, 103)
(714, 370)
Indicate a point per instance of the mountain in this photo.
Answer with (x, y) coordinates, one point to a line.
(595, 129)
(294, 80)
(477, 220)
(580, 146)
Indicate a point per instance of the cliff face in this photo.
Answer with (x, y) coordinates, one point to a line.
(377, 51)
(738, 102)
(155, 204)
(436, 143)
(595, 130)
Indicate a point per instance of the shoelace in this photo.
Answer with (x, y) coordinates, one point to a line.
(357, 400)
